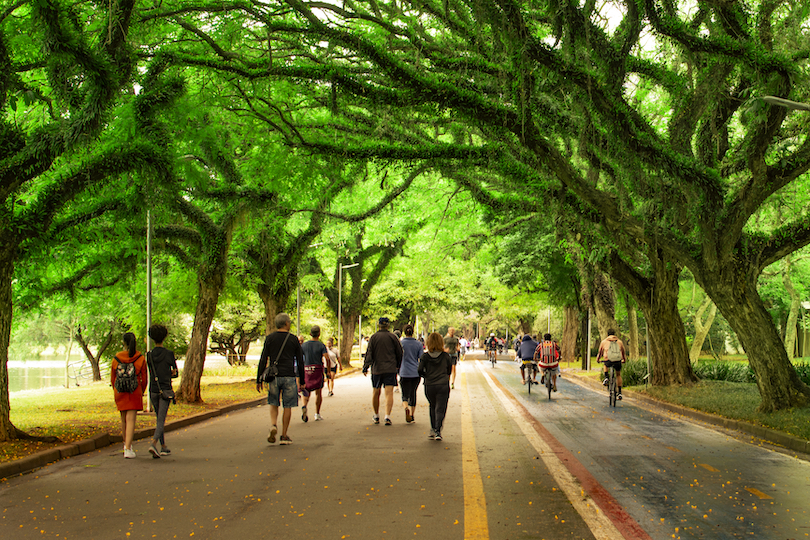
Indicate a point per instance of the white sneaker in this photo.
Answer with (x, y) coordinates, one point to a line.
(129, 453)
(318, 417)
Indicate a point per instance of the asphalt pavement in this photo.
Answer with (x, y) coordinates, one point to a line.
(511, 466)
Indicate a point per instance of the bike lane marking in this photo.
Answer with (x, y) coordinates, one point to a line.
(586, 494)
(476, 526)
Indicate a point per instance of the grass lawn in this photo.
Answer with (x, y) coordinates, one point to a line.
(732, 400)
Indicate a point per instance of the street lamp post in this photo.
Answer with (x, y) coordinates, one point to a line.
(340, 294)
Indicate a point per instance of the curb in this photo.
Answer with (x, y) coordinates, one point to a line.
(772, 436)
(102, 440)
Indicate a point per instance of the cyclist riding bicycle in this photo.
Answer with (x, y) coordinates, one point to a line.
(525, 353)
(612, 351)
(491, 344)
(547, 355)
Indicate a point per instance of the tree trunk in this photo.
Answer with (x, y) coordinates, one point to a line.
(271, 309)
(7, 430)
(793, 313)
(702, 327)
(568, 343)
(189, 391)
(604, 304)
(738, 300)
(525, 325)
(348, 324)
(657, 296)
(632, 324)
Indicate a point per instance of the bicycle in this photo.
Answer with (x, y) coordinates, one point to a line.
(549, 383)
(529, 377)
(612, 386)
(492, 356)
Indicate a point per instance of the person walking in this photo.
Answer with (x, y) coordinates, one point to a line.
(163, 368)
(409, 379)
(316, 357)
(281, 349)
(333, 366)
(128, 379)
(451, 347)
(435, 366)
(383, 356)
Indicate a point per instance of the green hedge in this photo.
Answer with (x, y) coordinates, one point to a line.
(634, 371)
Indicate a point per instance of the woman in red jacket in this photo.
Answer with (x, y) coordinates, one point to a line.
(129, 403)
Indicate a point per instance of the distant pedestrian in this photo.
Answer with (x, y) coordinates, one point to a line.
(451, 347)
(463, 345)
(316, 357)
(282, 349)
(162, 369)
(435, 366)
(334, 365)
(129, 366)
(383, 356)
(412, 349)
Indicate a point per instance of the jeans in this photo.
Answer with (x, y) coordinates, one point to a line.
(161, 407)
(437, 395)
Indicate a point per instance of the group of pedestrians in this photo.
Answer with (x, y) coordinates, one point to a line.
(128, 376)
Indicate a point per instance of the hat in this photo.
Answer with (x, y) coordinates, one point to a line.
(492, 334)
(383, 321)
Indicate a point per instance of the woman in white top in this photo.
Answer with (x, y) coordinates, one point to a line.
(334, 364)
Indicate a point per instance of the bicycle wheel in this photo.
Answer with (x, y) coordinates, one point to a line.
(612, 387)
(529, 382)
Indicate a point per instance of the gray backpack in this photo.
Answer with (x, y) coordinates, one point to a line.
(614, 352)
(126, 380)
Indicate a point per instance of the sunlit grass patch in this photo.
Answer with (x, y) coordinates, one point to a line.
(733, 400)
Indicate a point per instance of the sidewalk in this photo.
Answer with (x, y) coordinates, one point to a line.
(102, 440)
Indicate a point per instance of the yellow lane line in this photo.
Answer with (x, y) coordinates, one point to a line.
(758, 493)
(476, 526)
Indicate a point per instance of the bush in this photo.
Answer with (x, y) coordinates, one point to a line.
(718, 370)
(633, 372)
(803, 369)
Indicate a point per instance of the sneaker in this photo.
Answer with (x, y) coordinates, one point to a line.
(318, 417)
(285, 440)
(408, 417)
(375, 418)
(388, 422)
(396, 389)
(304, 416)
(432, 434)
(438, 437)
(618, 397)
(453, 386)
(154, 451)
(554, 387)
(129, 453)
(331, 393)
(165, 451)
(605, 382)
(272, 437)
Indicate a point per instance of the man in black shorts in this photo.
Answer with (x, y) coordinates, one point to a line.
(612, 353)
(383, 356)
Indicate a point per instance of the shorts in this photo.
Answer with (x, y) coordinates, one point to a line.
(454, 359)
(615, 365)
(287, 387)
(526, 363)
(383, 379)
(549, 368)
(333, 369)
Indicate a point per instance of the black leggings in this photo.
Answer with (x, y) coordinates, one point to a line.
(409, 386)
(437, 395)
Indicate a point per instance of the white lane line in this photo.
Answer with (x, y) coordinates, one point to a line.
(599, 524)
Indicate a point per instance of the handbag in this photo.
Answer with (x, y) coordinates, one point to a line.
(271, 371)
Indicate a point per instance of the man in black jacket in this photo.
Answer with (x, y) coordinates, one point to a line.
(383, 356)
(284, 349)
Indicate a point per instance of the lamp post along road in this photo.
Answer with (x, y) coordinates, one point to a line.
(340, 296)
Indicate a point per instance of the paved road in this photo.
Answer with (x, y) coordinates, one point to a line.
(509, 468)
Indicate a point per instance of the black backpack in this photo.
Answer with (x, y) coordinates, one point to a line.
(126, 379)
